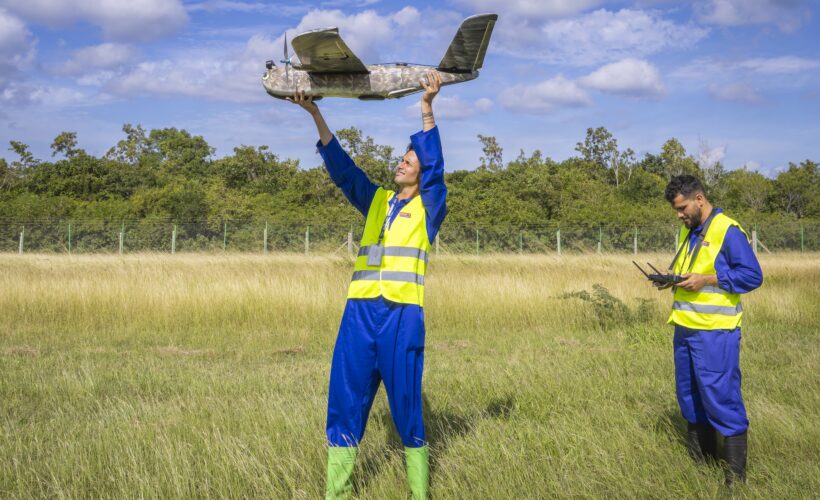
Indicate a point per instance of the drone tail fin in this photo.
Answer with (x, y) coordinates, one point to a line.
(466, 51)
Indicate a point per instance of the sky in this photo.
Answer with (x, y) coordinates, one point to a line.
(736, 81)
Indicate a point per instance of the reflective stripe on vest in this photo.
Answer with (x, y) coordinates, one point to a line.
(406, 248)
(711, 307)
(388, 276)
(416, 253)
(707, 309)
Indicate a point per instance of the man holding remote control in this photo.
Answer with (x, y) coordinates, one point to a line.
(718, 265)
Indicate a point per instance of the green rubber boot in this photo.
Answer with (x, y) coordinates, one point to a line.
(340, 462)
(418, 471)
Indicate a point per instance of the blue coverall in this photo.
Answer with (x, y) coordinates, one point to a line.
(707, 362)
(380, 340)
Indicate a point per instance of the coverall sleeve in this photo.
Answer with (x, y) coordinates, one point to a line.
(736, 266)
(427, 146)
(352, 180)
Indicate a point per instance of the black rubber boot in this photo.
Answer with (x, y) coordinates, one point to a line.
(701, 442)
(734, 448)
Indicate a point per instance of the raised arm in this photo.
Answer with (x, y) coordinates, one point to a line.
(353, 182)
(427, 145)
(431, 88)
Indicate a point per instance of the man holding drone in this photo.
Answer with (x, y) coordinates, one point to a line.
(381, 338)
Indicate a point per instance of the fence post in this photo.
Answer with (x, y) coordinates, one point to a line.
(122, 237)
(265, 238)
(307, 241)
(635, 242)
(224, 235)
(600, 238)
(69, 238)
(477, 244)
(754, 240)
(350, 243)
(22, 236)
(802, 239)
(174, 239)
(521, 242)
(558, 240)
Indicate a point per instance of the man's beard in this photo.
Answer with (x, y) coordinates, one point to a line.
(694, 221)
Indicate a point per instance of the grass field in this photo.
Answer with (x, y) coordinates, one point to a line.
(206, 376)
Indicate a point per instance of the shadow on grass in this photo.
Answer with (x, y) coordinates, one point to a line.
(442, 428)
(672, 424)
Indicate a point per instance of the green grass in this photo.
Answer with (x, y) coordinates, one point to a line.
(206, 376)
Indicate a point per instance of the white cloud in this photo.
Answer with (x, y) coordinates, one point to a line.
(539, 9)
(779, 65)
(631, 77)
(233, 73)
(598, 37)
(545, 96)
(709, 156)
(484, 104)
(451, 108)
(739, 92)
(714, 70)
(363, 32)
(407, 17)
(103, 56)
(17, 50)
(788, 15)
(119, 20)
(220, 74)
(57, 96)
(16, 42)
(229, 6)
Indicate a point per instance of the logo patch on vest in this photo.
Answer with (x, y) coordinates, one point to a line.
(406, 215)
(705, 243)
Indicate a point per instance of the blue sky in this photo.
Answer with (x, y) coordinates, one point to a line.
(734, 80)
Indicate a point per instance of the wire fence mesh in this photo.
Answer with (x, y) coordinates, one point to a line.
(107, 236)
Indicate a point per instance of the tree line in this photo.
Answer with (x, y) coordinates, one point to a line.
(170, 175)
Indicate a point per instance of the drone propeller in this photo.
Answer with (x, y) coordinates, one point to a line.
(286, 61)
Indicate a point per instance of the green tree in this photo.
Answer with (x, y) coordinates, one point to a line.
(66, 144)
(26, 159)
(8, 176)
(601, 148)
(675, 160)
(135, 145)
(798, 189)
(376, 160)
(181, 153)
(748, 190)
(493, 153)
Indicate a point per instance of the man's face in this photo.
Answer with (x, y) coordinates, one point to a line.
(407, 171)
(689, 210)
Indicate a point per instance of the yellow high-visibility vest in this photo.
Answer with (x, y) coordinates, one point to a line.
(711, 307)
(400, 277)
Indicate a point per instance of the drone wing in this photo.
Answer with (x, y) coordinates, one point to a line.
(324, 51)
(466, 51)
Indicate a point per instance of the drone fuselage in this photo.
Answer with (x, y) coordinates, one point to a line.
(382, 81)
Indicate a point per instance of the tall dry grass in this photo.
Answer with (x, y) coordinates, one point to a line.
(206, 376)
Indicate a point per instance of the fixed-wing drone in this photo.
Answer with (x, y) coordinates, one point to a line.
(328, 68)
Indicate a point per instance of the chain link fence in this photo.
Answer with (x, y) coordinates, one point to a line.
(102, 236)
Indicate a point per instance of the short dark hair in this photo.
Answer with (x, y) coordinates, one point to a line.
(686, 185)
(409, 148)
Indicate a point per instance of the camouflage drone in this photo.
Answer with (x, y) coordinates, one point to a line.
(328, 68)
